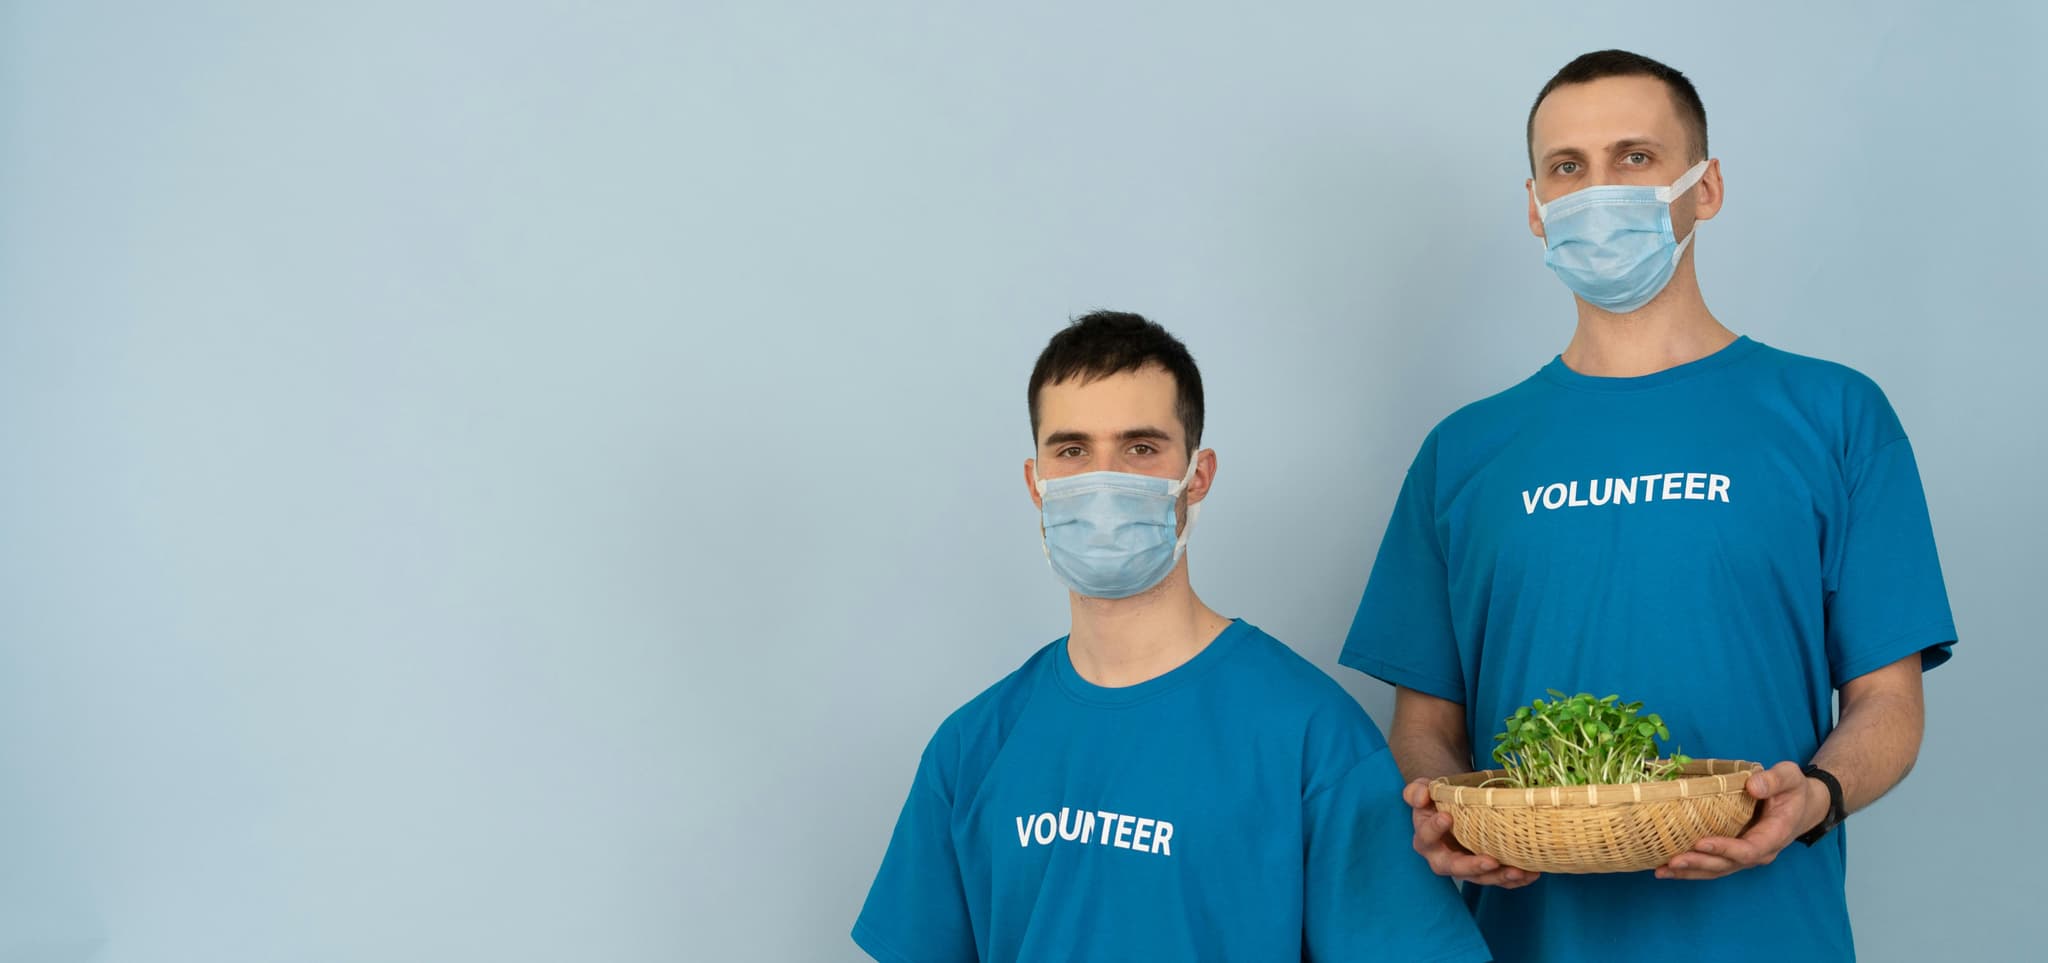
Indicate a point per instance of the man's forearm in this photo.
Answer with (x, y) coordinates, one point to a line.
(1427, 756)
(1428, 736)
(1877, 739)
(1426, 749)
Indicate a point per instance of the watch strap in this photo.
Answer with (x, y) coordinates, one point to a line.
(1837, 812)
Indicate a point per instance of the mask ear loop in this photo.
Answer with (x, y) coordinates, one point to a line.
(1039, 484)
(1180, 545)
(1685, 182)
(1542, 214)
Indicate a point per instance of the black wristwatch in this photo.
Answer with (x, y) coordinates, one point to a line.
(1837, 812)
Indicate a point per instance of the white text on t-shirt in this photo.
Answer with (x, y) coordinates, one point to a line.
(1123, 831)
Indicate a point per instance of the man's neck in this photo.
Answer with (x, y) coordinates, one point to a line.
(1675, 328)
(1122, 642)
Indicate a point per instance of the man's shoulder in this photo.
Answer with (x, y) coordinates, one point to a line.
(1332, 730)
(1842, 402)
(1479, 425)
(998, 705)
(1276, 663)
(1287, 678)
(959, 750)
(1505, 404)
(1805, 372)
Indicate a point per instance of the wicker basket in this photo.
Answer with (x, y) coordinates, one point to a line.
(1597, 829)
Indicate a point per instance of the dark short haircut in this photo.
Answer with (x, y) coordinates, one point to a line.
(1601, 64)
(1104, 343)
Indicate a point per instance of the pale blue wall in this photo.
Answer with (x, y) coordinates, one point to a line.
(521, 481)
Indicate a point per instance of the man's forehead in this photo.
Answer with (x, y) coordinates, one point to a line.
(1150, 384)
(1602, 112)
(1109, 406)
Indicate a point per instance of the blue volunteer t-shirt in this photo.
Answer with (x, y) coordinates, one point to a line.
(1241, 807)
(1727, 541)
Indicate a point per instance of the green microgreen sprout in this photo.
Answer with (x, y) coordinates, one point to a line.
(1582, 741)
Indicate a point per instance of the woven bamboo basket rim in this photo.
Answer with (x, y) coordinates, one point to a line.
(1708, 777)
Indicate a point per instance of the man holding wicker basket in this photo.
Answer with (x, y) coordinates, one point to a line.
(1729, 533)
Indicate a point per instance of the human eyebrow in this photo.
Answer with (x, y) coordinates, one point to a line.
(1631, 143)
(1146, 433)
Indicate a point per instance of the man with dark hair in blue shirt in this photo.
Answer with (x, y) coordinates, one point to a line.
(1164, 783)
(1727, 532)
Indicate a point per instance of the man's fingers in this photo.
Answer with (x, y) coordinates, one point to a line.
(1775, 827)
(1506, 878)
(1774, 820)
(1447, 862)
(1467, 865)
(1449, 840)
(1432, 834)
(1713, 857)
(1696, 865)
(1758, 846)
(1416, 795)
(1434, 841)
(1781, 778)
(1445, 856)
(1430, 828)
(1429, 842)
(1709, 854)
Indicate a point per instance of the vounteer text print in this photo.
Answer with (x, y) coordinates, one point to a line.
(1097, 827)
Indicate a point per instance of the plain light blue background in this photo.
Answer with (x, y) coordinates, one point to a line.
(522, 481)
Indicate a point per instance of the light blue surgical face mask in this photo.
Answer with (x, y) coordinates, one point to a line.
(1110, 534)
(1613, 244)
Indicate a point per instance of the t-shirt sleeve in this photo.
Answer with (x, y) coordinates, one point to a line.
(1886, 599)
(1369, 896)
(1402, 633)
(916, 911)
